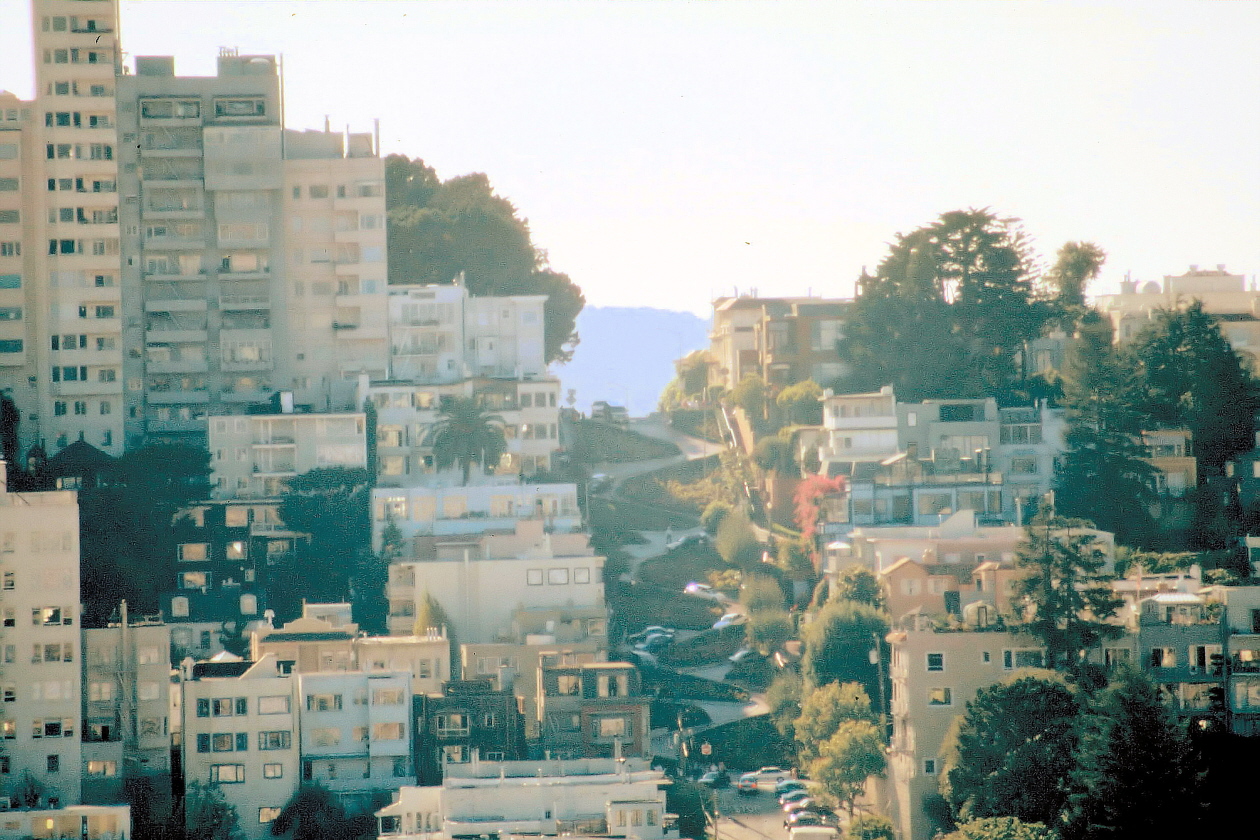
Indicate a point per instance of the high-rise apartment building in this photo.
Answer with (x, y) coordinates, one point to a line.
(60, 344)
(254, 257)
(40, 682)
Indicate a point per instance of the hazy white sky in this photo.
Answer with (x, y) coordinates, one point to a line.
(668, 152)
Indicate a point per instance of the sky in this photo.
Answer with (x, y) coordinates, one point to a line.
(666, 153)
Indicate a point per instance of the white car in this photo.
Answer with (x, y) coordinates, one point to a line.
(703, 590)
(729, 620)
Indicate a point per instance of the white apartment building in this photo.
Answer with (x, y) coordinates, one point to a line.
(254, 256)
(86, 822)
(356, 733)
(126, 707)
(253, 456)
(482, 582)
(240, 732)
(527, 410)
(487, 504)
(442, 334)
(608, 797)
(60, 318)
(41, 719)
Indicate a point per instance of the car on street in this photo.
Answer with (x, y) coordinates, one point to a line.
(747, 784)
(729, 620)
(599, 482)
(743, 655)
(768, 777)
(793, 796)
(804, 803)
(716, 779)
(703, 590)
(818, 817)
(651, 630)
(788, 785)
(655, 643)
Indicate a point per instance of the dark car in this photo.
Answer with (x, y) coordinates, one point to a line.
(716, 779)
(818, 817)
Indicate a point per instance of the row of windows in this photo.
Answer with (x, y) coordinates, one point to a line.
(331, 736)
(280, 739)
(373, 189)
(80, 185)
(72, 89)
(557, 577)
(68, 247)
(82, 216)
(61, 408)
(80, 342)
(1011, 659)
(76, 151)
(65, 119)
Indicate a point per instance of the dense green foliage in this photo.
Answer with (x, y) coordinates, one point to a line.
(853, 754)
(838, 643)
(207, 814)
(332, 505)
(947, 311)
(1011, 752)
(1066, 589)
(1135, 774)
(1000, 828)
(824, 709)
(465, 435)
(439, 230)
(858, 584)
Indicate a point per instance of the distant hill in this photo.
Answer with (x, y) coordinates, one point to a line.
(627, 355)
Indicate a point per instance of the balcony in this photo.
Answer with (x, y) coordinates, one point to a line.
(239, 302)
(179, 426)
(246, 397)
(176, 305)
(178, 366)
(175, 336)
(174, 397)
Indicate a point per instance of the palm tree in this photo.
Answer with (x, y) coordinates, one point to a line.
(463, 434)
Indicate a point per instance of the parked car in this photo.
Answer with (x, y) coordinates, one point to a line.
(651, 630)
(729, 620)
(793, 796)
(655, 643)
(716, 779)
(599, 482)
(747, 784)
(819, 817)
(804, 803)
(788, 785)
(768, 777)
(744, 655)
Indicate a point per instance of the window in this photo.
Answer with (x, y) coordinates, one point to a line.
(222, 742)
(325, 736)
(387, 732)
(582, 575)
(936, 662)
(276, 740)
(940, 697)
(273, 771)
(929, 766)
(323, 702)
(268, 813)
(387, 697)
(451, 725)
(240, 108)
(319, 191)
(226, 774)
(54, 764)
(610, 727)
(1023, 658)
(453, 754)
(534, 577)
(273, 705)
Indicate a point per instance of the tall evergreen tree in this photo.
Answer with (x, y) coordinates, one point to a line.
(1076, 264)
(1103, 478)
(1136, 776)
(1068, 595)
(1191, 377)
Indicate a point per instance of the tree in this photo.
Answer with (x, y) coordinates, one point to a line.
(858, 584)
(690, 382)
(824, 709)
(947, 310)
(128, 528)
(1104, 477)
(439, 231)
(207, 814)
(1076, 264)
(769, 630)
(315, 814)
(737, 543)
(714, 514)
(1070, 600)
(872, 827)
(1191, 377)
(801, 403)
(332, 505)
(847, 759)
(838, 644)
(464, 434)
(776, 453)
(1000, 828)
(760, 593)
(1135, 775)
(1010, 753)
(751, 394)
(783, 696)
